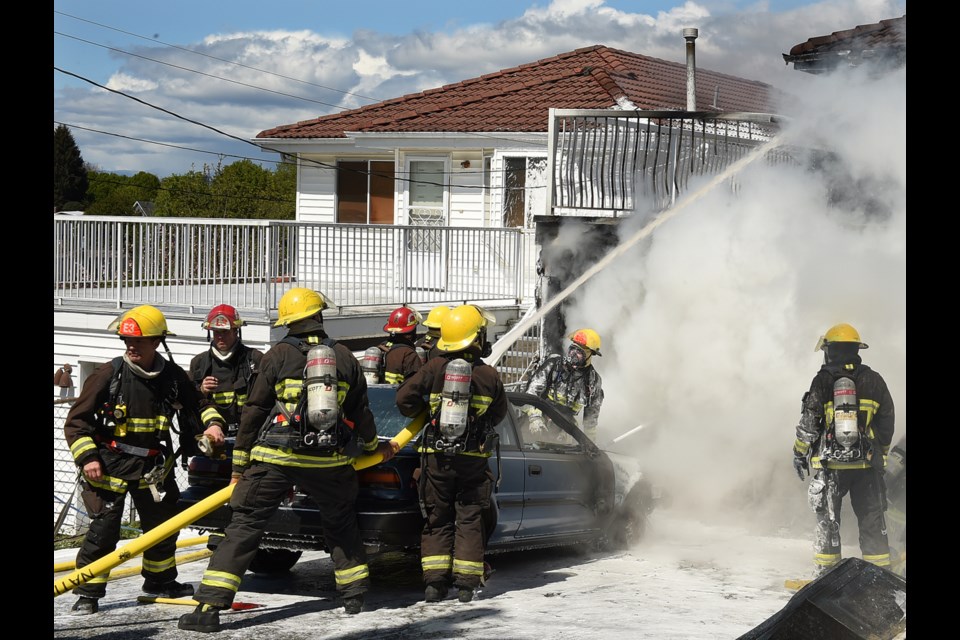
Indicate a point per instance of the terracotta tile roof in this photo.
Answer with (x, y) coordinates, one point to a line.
(518, 99)
(883, 39)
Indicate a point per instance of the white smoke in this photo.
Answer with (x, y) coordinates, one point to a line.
(709, 327)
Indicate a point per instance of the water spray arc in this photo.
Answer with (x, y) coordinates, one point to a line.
(507, 340)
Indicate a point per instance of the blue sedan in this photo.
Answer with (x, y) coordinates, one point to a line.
(554, 487)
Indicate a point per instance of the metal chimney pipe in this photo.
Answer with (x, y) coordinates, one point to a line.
(690, 35)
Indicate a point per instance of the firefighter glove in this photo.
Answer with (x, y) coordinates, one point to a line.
(537, 425)
(801, 465)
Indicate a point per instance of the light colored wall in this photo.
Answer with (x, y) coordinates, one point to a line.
(316, 187)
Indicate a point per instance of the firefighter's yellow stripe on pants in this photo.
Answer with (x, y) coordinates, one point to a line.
(347, 576)
(436, 563)
(221, 579)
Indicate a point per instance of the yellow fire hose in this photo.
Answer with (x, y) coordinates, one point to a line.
(188, 516)
(188, 542)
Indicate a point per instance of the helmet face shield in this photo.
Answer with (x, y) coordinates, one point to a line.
(576, 357)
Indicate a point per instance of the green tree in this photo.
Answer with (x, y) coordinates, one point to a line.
(185, 196)
(111, 194)
(69, 173)
(238, 188)
(242, 189)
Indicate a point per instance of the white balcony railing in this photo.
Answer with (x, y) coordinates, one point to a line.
(195, 263)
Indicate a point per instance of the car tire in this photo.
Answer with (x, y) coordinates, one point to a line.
(272, 561)
(630, 522)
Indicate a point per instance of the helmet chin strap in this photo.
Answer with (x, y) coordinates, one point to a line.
(163, 341)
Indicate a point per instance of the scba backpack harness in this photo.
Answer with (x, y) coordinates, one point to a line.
(316, 424)
(246, 369)
(112, 424)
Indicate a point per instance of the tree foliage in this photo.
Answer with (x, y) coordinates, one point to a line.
(69, 172)
(242, 189)
(111, 194)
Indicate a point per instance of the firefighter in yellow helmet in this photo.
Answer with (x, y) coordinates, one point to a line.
(119, 433)
(429, 339)
(466, 400)
(570, 382)
(845, 430)
(288, 436)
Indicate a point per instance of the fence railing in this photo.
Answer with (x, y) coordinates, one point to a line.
(612, 162)
(196, 263)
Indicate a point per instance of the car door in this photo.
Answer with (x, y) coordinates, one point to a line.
(509, 470)
(560, 475)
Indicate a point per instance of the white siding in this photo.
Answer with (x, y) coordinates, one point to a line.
(466, 191)
(316, 190)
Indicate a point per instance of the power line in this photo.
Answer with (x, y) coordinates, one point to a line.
(199, 53)
(202, 73)
(277, 151)
(172, 146)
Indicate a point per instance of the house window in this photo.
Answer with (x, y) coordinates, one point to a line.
(365, 192)
(524, 194)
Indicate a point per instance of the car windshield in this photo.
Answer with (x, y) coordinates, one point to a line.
(384, 407)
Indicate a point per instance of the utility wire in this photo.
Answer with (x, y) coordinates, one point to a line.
(206, 55)
(277, 151)
(209, 75)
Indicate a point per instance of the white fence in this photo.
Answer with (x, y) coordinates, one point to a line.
(196, 263)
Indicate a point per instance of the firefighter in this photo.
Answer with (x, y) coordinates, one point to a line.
(119, 433)
(570, 382)
(428, 341)
(225, 371)
(306, 420)
(844, 433)
(396, 357)
(466, 400)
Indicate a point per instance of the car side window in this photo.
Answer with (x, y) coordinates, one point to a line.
(505, 431)
(538, 431)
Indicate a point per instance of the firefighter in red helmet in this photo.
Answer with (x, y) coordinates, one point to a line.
(395, 359)
(225, 372)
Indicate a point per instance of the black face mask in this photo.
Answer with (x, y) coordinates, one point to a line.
(841, 353)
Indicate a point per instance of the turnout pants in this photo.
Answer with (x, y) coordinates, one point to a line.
(456, 493)
(867, 498)
(105, 508)
(257, 497)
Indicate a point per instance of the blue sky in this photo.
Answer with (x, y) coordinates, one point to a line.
(241, 67)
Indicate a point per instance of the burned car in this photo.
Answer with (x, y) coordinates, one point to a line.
(554, 487)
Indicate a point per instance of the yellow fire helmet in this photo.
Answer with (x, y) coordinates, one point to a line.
(299, 303)
(436, 316)
(144, 321)
(840, 333)
(462, 325)
(588, 339)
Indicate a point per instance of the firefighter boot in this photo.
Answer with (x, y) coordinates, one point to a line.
(205, 618)
(169, 589)
(85, 606)
(353, 605)
(435, 592)
(465, 594)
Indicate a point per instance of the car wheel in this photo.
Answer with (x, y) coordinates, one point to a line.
(629, 523)
(274, 560)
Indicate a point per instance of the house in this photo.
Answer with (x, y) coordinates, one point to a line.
(143, 208)
(474, 153)
(881, 46)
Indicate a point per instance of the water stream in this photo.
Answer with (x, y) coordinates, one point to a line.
(507, 340)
